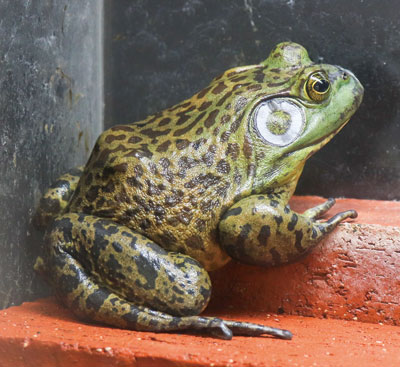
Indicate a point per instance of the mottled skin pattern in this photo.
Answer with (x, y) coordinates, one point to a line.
(162, 201)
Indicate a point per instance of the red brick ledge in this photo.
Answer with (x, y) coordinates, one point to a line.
(44, 334)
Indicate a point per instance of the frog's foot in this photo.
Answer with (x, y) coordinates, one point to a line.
(250, 329)
(56, 198)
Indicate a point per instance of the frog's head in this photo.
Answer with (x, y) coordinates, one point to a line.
(300, 107)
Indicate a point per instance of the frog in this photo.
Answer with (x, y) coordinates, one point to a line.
(132, 236)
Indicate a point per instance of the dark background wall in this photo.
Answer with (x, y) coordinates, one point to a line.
(50, 114)
(158, 53)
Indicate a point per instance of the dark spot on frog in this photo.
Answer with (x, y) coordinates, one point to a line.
(110, 138)
(232, 150)
(222, 190)
(274, 203)
(68, 283)
(278, 219)
(198, 143)
(185, 216)
(200, 225)
(145, 224)
(263, 236)
(293, 222)
(140, 152)
(239, 78)
(92, 193)
(190, 126)
(254, 87)
(132, 316)
(232, 212)
(259, 76)
(224, 98)
(113, 266)
(155, 133)
(208, 158)
(149, 268)
(243, 235)
(223, 167)
(204, 106)
(182, 143)
(299, 237)
(209, 205)
(163, 147)
(117, 247)
(96, 299)
(152, 188)
(134, 182)
(247, 149)
(210, 120)
(134, 139)
(225, 136)
(164, 121)
(202, 93)
(314, 233)
(159, 213)
(174, 198)
(286, 209)
(199, 131)
(219, 88)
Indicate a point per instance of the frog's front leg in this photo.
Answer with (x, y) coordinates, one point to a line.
(262, 230)
(108, 273)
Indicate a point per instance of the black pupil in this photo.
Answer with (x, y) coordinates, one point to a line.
(321, 86)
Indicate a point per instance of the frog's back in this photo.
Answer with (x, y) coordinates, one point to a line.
(170, 177)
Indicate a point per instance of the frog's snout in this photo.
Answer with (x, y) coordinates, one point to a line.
(358, 88)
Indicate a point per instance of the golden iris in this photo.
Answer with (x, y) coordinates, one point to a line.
(318, 86)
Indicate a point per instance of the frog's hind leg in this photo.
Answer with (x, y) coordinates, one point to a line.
(107, 273)
(56, 198)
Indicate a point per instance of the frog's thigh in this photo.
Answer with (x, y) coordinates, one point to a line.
(124, 262)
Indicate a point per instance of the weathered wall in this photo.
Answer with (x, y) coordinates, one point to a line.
(157, 55)
(50, 114)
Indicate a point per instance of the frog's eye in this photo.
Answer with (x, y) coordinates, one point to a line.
(279, 121)
(318, 86)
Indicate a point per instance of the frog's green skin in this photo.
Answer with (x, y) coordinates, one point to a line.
(162, 201)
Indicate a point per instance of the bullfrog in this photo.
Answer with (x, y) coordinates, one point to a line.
(132, 236)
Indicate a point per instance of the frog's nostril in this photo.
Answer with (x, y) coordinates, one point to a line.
(345, 76)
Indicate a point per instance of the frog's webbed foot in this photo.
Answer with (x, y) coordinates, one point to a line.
(330, 224)
(262, 230)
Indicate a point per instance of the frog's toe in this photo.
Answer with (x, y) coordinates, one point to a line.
(250, 329)
(219, 330)
(319, 210)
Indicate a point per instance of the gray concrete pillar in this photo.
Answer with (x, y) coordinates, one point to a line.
(51, 107)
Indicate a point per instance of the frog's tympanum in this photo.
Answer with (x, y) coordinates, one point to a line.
(161, 202)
